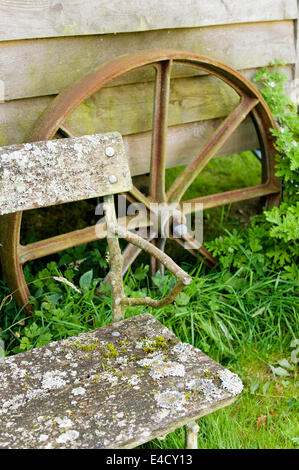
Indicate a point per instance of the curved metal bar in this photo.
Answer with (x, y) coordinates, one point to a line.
(11, 266)
(67, 101)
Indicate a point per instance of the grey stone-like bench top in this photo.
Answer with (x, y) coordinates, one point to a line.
(42, 174)
(114, 387)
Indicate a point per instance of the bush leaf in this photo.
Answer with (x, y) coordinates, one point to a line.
(86, 280)
(255, 383)
(280, 371)
(182, 299)
(285, 364)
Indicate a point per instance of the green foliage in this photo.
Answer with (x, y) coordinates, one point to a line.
(271, 239)
(285, 114)
(284, 221)
(86, 280)
(33, 337)
(288, 367)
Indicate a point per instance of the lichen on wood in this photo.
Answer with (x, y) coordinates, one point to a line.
(42, 174)
(101, 389)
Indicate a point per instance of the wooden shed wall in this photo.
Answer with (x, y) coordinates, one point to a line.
(47, 44)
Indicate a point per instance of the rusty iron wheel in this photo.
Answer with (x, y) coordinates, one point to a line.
(14, 255)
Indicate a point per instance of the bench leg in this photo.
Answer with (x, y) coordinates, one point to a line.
(191, 430)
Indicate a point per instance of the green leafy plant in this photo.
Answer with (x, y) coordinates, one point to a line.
(272, 238)
(287, 367)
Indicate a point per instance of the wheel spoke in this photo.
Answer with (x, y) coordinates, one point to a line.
(9, 250)
(224, 131)
(52, 245)
(134, 195)
(131, 252)
(129, 255)
(156, 265)
(158, 149)
(195, 248)
(228, 197)
(67, 131)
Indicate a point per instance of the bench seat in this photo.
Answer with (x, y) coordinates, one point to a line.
(114, 387)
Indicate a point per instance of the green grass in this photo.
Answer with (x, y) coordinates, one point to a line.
(245, 320)
(246, 323)
(222, 174)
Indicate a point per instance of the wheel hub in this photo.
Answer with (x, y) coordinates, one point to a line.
(171, 223)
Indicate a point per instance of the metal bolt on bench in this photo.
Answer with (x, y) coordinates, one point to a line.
(120, 385)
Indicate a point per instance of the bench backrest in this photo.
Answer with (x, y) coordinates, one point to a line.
(52, 172)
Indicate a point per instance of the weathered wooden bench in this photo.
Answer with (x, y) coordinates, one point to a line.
(120, 385)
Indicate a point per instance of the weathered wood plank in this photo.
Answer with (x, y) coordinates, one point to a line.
(17, 118)
(127, 109)
(47, 66)
(132, 115)
(114, 387)
(184, 143)
(23, 19)
(43, 174)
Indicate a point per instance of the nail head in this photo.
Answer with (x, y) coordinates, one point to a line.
(109, 151)
(112, 179)
(180, 230)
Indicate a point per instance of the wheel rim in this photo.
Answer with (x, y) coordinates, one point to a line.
(54, 117)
